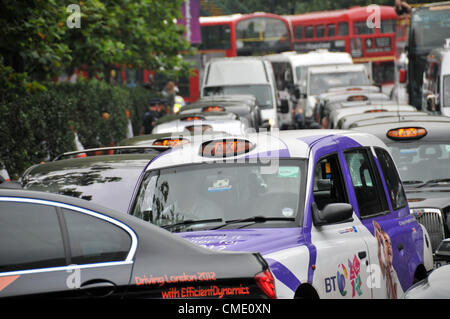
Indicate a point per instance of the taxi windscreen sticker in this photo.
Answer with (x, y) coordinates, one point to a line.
(288, 171)
(220, 185)
(287, 212)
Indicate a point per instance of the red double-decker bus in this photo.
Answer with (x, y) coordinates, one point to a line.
(367, 33)
(234, 35)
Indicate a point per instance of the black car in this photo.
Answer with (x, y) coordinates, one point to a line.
(421, 152)
(62, 247)
(107, 180)
(245, 107)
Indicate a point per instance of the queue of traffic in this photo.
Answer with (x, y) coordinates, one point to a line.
(252, 191)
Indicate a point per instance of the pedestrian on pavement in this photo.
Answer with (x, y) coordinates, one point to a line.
(169, 92)
(150, 117)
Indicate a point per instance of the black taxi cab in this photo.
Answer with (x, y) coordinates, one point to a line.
(421, 151)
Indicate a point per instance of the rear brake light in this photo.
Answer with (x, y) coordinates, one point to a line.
(170, 142)
(266, 283)
(225, 148)
(406, 133)
(192, 118)
(213, 109)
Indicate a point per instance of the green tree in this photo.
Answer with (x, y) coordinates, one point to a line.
(38, 40)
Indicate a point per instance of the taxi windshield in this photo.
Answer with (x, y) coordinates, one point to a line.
(220, 193)
(422, 163)
(322, 82)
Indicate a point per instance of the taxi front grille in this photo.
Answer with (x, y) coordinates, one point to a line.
(434, 224)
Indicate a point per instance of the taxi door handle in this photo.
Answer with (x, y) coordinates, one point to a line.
(98, 288)
(362, 254)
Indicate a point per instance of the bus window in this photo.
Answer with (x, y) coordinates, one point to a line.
(361, 27)
(320, 31)
(215, 37)
(309, 32)
(259, 36)
(331, 30)
(298, 32)
(383, 72)
(388, 26)
(342, 28)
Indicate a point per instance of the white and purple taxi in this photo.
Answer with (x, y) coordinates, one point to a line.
(325, 208)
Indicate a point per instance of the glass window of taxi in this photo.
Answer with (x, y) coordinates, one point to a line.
(221, 191)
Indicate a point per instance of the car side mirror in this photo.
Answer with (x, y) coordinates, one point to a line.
(431, 102)
(284, 107)
(297, 93)
(332, 214)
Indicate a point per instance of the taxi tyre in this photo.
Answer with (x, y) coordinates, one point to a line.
(306, 292)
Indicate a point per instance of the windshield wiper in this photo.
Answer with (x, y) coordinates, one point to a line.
(254, 219)
(193, 222)
(436, 181)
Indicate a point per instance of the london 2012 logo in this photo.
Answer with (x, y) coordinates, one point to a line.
(353, 275)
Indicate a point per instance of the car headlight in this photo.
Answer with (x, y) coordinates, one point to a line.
(272, 122)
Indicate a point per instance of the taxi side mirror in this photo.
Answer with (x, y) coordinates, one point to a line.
(333, 213)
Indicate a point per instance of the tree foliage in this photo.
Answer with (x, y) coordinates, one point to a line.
(38, 38)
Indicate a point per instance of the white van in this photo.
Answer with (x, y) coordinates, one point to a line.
(244, 75)
(296, 76)
(436, 81)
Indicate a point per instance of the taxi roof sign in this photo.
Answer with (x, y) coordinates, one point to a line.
(214, 108)
(170, 142)
(225, 148)
(406, 133)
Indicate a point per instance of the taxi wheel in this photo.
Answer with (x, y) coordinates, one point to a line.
(307, 292)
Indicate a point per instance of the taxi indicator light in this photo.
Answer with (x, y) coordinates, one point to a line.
(357, 98)
(354, 89)
(406, 133)
(192, 118)
(213, 109)
(171, 142)
(225, 148)
(375, 111)
(199, 128)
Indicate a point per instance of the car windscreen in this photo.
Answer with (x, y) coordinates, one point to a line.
(419, 163)
(220, 191)
(321, 82)
(262, 92)
(102, 184)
